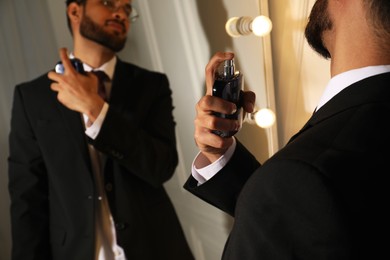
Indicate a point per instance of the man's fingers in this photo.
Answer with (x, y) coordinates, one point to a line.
(209, 104)
(213, 123)
(248, 101)
(68, 67)
(209, 142)
(55, 86)
(53, 76)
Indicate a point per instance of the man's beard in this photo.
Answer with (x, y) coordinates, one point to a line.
(90, 30)
(319, 22)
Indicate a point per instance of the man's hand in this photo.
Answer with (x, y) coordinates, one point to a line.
(77, 91)
(211, 145)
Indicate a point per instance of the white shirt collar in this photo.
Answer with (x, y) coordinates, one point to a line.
(345, 79)
(107, 67)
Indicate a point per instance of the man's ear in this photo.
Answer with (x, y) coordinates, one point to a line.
(74, 11)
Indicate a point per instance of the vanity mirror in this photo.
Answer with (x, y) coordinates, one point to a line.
(178, 38)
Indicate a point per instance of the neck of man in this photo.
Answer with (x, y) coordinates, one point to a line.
(92, 53)
(355, 56)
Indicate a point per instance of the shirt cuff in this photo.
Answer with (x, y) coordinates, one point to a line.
(206, 173)
(93, 130)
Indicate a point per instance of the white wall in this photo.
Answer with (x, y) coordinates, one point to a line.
(22, 57)
(300, 74)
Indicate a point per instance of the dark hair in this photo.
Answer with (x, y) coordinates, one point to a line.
(77, 1)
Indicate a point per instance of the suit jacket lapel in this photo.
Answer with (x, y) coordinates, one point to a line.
(372, 89)
(121, 84)
(74, 124)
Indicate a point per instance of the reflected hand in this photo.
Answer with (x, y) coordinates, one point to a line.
(78, 92)
(211, 145)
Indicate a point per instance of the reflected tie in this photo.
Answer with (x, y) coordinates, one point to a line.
(102, 78)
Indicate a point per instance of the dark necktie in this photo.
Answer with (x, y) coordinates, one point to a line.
(102, 78)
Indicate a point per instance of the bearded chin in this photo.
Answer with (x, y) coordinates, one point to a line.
(319, 22)
(93, 32)
(314, 39)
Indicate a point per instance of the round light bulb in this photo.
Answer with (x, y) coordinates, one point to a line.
(265, 117)
(261, 25)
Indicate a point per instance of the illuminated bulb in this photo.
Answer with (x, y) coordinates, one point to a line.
(245, 25)
(261, 25)
(264, 118)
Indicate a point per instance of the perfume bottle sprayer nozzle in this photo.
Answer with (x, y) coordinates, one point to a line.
(228, 69)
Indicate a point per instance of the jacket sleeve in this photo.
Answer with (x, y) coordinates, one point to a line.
(27, 188)
(223, 189)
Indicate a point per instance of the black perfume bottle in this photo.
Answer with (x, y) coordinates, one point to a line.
(77, 64)
(228, 85)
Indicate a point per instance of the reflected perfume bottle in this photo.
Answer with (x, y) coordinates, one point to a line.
(228, 85)
(77, 64)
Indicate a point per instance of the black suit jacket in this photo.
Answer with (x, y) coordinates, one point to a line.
(51, 183)
(324, 195)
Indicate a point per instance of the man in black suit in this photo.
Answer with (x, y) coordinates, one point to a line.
(86, 174)
(325, 194)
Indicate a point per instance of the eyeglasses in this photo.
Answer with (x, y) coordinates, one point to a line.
(114, 5)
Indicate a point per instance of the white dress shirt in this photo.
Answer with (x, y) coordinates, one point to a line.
(336, 84)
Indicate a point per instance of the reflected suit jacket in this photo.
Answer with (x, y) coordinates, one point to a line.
(325, 195)
(51, 184)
